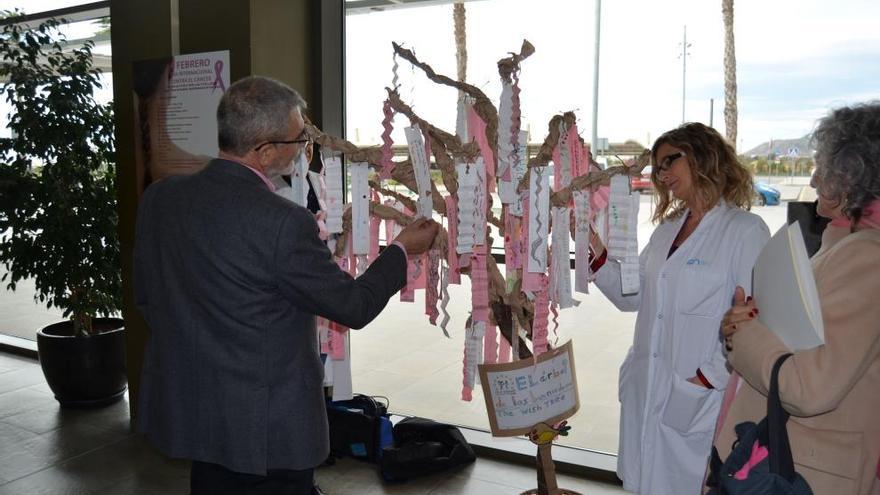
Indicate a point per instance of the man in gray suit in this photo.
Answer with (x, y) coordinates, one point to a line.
(229, 277)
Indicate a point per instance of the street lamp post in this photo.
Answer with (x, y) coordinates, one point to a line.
(684, 54)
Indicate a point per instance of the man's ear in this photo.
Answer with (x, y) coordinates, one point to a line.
(309, 150)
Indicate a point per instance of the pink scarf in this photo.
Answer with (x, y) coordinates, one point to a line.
(870, 217)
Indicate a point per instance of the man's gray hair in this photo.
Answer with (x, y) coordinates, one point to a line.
(847, 157)
(254, 110)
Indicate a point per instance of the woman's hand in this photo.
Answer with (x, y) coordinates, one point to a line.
(743, 310)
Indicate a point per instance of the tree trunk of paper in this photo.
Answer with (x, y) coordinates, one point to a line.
(730, 111)
(546, 471)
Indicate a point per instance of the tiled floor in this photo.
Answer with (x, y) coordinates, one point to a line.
(47, 450)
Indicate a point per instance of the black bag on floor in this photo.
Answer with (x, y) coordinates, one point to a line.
(422, 447)
(772, 475)
(359, 428)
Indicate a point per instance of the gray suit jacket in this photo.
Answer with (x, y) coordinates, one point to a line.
(229, 277)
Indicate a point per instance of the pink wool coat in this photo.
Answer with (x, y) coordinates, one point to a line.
(832, 391)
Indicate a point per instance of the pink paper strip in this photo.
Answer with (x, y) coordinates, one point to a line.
(374, 238)
(323, 325)
(557, 168)
(479, 285)
(451, 254)
(512, 241)
(337, 341)
(387, 153)
(539, 324)
(408, 293)
(586, 155)
(490, 344)
(466, 392)
(477, 130)
(389, 225)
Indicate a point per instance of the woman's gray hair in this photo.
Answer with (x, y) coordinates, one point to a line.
(847, 144)
(254, 110)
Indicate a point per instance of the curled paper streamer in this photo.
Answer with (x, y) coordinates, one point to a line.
(433, 279)
(452, 242)
(444, 299)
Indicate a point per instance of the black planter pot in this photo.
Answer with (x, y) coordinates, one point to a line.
(84, 372)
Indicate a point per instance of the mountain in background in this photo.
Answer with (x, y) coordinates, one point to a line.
(799, 148)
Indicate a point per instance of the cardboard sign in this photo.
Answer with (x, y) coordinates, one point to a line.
(521, 394)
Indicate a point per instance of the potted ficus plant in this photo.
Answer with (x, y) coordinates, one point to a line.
(58, 215)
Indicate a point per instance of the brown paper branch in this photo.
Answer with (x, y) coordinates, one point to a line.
(371, 155)
(482, 104)
(465, 152)
(407, 201)
(508, 66)
(595, 178)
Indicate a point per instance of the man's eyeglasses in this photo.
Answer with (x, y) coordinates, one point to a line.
(667, 161)
(298, 140)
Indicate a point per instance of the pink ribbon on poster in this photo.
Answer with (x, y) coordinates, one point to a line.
(218, 76)
(432, 284)
(451, 254)
(490, 344)
(479, 285)
(539, 324)
(477, 130)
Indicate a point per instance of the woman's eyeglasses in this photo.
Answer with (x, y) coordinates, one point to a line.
(667, 161)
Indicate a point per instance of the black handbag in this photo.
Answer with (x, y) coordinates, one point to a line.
(774, 474)
(812, 225)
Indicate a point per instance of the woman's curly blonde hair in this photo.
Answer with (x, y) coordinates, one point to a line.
(715, 170)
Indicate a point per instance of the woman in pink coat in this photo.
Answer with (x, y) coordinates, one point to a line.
(831, 391)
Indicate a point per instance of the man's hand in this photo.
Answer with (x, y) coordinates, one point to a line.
(418, 236)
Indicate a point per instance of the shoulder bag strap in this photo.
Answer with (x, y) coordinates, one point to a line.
(781, 462)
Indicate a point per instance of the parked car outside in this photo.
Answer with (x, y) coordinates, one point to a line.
(766, 194)
(643, 182)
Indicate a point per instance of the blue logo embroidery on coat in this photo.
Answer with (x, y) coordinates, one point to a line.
(695, 261)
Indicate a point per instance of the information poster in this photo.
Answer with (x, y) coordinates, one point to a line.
(522, 394)
(176, 102)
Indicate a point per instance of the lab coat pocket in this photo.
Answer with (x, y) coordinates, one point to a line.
(700, 292)
(689, 408)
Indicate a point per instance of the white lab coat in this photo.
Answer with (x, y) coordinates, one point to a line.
(667, 423)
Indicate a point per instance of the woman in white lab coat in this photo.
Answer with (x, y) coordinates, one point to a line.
(673, 377)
